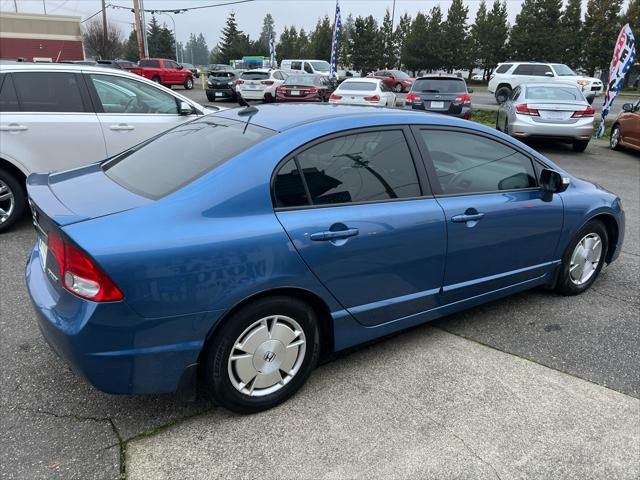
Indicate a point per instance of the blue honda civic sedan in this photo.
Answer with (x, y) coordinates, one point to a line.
(236, 250)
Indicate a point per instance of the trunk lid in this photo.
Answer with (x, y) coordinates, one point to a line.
(556, 112)
(440, 102)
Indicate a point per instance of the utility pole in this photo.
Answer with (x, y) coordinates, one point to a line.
(144, 29)
(104, 29)
(15, 5)
(136, 11)
(44, 7)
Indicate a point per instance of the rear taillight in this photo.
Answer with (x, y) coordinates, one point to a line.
(466, 98)
(589, 112)
(267, 82)
(335, 97)
(281, 90)
(79, 274)
(374, 98)
(311, 90)
(412, 97)
(238, 82)
(525, 110)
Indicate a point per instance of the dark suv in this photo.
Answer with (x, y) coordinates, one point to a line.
(222, 84)
(447, 94)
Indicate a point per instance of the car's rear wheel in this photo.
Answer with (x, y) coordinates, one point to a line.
(614, 140)
(583, 259)
(580, 146)
(156, 79)
(262, 354)
(188, 83)
(502, 95)
(12, 200)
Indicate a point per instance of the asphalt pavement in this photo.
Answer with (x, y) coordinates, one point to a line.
(532, 386)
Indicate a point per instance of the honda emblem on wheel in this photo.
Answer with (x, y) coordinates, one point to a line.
(269, 356)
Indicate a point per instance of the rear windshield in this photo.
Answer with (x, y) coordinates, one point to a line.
(365, 86)
(172, 160)
(554, 93)
(439, 85)
(225, 74)
(254, 75)
(301, 80)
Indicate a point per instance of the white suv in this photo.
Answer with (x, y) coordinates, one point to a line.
(260, 84)
(58, 117)
(508, 76)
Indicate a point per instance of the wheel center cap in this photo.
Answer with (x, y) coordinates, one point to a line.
(269, 356)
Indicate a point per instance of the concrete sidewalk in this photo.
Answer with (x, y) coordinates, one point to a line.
(426, 404)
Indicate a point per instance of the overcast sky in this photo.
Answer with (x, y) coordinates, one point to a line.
(302, 13)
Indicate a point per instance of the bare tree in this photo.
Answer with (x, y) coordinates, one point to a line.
(97, 44)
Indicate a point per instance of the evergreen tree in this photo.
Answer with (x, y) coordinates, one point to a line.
(632, 17)
(160, 40)
(389, 58)
(320, 40)
(366, 45)
(434, 40)
(571, 34)
(400, 35)
(268, 30)
(231, 39)
(536, 35)
(344, 44)
(454, 30)
(131, 47)
(415, 44)
(288, 45)
(196, 50)
(303, 46)
(480, 36)
(496, 37)
(601, 28)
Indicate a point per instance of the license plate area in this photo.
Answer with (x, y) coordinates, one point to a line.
(296, 92)
(553, 115)
(437, 104)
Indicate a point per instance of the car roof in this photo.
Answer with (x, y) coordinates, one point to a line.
(62, 67)
(285, 116)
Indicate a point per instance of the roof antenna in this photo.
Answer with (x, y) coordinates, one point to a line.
(248, 110)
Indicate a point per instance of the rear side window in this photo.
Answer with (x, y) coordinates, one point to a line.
(358, 86)
(467, 163)
(254, 76)
(174, 159)
(288, 187)
(523, 69)
(504, 68)
(364, 167)
(540, 70)
(439, 85)
(48, 92)
(8, 97)
(150, 63)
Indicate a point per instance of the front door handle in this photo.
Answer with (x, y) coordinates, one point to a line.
(467, 217)
(13, 127)
(122, 127)
(333, 234)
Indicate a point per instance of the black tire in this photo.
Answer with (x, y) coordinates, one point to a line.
(580, 145)
(215, 362)
(156, 79)
(564, 284)
(19, 196)
(211, 98)
(502, 94)
(614, 140)
(188, 83)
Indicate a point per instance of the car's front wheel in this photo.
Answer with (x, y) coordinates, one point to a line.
(12, 200)
(583, 259)
(614, 140)
(262, 354)
(188, 83)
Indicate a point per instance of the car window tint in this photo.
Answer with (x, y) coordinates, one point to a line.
(540, 70)
(363, 167)
(296, 65)
(124, 95)
(48, 92)
(503, 68)
(8, 97)
(522, 70)
(169, 64)
(150, 63)
(467, 163)
(288, 187)
(173, 159)
(254, 76)
(439, 85)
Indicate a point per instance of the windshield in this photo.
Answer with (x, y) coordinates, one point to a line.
(361, 86)
(254, 75)
(300, 80)
(563, 70)
(174, 159)
(320, 66)
(439, 85)
(400, 74)
(226, 74)
(554, 93)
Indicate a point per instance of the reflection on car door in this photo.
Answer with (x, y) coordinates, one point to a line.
(500, 230)
(131, 111)
(367, 233)
(47, 122)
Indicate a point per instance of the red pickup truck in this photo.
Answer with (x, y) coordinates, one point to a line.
(166, 72)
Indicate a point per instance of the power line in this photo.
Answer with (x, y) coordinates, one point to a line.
(182, 10)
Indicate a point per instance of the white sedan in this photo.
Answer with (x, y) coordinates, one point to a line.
(363, 91)
(260, 84)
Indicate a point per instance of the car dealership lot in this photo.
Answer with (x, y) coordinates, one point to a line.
(535, 385)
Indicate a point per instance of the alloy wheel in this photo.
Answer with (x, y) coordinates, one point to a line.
(267, 355)
(7, 202)
(615, 138)
(585, 259)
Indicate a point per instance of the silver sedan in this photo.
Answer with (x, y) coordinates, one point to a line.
(549, 111)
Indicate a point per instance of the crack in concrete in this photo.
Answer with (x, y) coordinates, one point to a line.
(625, 300)
(422, 413)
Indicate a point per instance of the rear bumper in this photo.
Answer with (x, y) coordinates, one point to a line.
(220, 92)
(254, 94)
(582, 129)
(111, 346)
(306, 98)
(465, 111)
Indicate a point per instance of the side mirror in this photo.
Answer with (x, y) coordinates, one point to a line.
(180, 67)
(548, 74)
(470, 90)
(627, 107)
(553, 182)
(185, 109)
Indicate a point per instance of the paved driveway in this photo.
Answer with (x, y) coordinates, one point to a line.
(533, 386)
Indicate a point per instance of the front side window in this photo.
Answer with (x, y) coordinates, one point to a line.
(48, 92)
(170, 64)
(363, 167)
(181, 155)
(296, 65)
(307, 67)
(466, 163)
(563, 70)
(124, 95)
(150, 63)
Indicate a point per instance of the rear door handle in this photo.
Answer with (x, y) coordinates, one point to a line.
(333, 234)
(122, 127)
(13, 127)
(467, 217)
